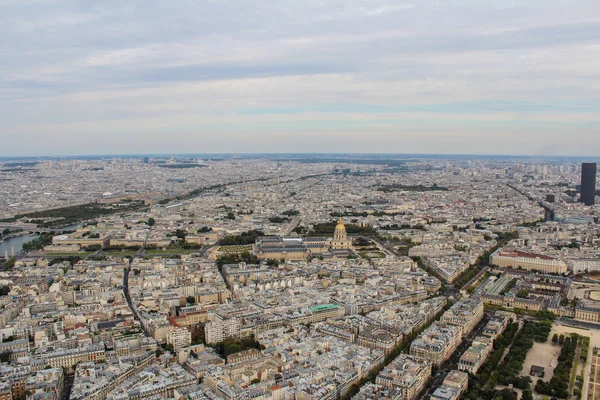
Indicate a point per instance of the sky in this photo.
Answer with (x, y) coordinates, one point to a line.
(515, 77)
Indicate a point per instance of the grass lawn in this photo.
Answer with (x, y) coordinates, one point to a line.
(82, 254)
(235, 249)
(119, 253)
(371, 254)
(168, 252)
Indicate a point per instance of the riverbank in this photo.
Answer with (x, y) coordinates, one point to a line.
(13, 245)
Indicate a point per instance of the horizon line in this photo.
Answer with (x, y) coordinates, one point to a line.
(137, 155)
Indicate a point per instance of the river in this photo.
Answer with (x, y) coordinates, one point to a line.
(18, 241)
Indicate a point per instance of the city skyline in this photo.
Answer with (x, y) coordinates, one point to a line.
(298, 277)
(455, 78)
(290, 156)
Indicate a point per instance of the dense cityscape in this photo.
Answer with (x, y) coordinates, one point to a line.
(299, 200)
(299, 277)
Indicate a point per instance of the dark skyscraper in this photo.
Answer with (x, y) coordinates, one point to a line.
(588, 183)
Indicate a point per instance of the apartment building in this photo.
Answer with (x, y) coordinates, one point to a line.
(476, 354)
(179, 337)
(466, 313)
(455, 384)
(220, 328)
(498, 323)
(71, 357)
(407, 374)
(448, 268)
(437, 343)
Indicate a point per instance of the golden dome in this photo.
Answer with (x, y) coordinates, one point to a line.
(340, 232)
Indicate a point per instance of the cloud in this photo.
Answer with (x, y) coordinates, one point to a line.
(266, 69)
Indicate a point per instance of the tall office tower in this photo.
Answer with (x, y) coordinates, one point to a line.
(588, 183)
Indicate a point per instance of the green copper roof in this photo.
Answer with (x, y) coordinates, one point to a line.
(323, 307)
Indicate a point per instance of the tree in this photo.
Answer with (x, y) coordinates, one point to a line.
(278, 220)
(232, 349)
(522, 294)
(197, 336)
(506, 394)
(5, 356)
(499, 339)
(151, 221)
(4, 290)
(25, 394)
(191, 300)
(248, 258)
(523, 382)
(242, 239)
(230, 215)
(8, 265)
(170, 348)
(180, 233)
(545, 315)
(290, 213)
(555, 338)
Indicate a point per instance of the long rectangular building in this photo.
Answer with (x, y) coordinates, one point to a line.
(510, 257)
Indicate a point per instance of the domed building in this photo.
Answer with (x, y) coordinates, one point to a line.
(340, 237)
(296, 248)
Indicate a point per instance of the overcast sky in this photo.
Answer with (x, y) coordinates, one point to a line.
(394, 76)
